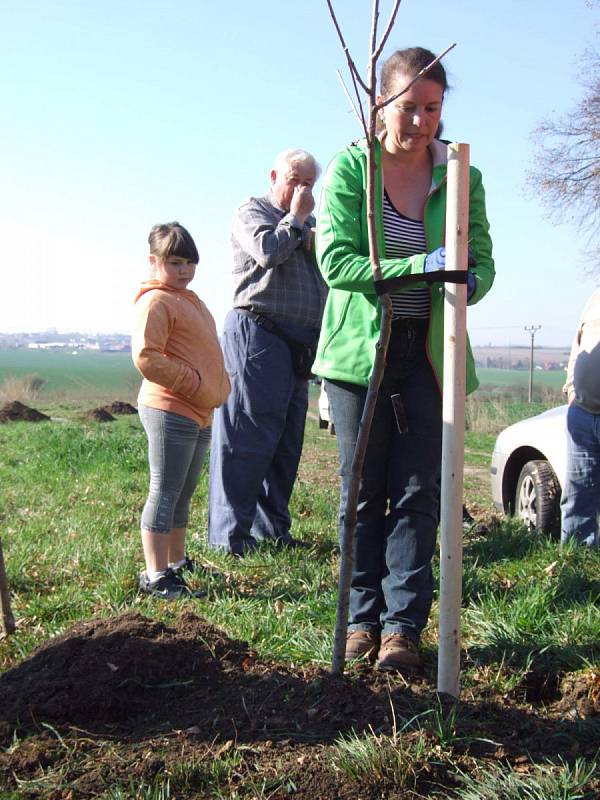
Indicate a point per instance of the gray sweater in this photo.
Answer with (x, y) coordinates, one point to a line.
(583, 372)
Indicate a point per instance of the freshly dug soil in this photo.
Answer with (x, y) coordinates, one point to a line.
(128, 698)
(16, 411)
(119, 407)
(99, 415)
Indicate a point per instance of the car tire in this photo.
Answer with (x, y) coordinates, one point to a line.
(322, 422)
(537, 497)
(331, 428)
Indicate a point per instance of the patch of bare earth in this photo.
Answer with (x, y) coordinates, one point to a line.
(129, 698)
(18, 412)
(119, 407)
(99, 414)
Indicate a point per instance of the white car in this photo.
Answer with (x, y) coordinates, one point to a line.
(528, 469)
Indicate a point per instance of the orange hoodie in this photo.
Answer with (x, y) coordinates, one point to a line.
(175, 347)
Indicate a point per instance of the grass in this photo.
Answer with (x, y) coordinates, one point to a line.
(559, 781)
(69, 515)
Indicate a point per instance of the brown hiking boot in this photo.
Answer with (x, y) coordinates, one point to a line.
(362, 644)
(398, 653)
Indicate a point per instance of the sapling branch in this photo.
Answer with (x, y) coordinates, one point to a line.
(417, 77)
(351, 64)
(358, 112)
(387, 32)
(8, 621)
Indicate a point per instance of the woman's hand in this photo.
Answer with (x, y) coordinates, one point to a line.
(436, 260)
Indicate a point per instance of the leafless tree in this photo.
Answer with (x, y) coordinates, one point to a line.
(566, 171)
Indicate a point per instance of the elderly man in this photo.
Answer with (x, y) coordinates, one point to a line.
(268, 342)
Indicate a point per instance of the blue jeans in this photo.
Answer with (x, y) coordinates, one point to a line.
(398, 504)
(257, 438)
(580, 502)
(176, 449)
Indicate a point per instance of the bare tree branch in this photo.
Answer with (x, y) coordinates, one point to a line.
(423, 72)
(351, 64)
(374, 21)
(6, 615)
(566, 172)
(358, 112)
(388, 30)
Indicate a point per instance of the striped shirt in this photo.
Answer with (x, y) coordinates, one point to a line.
(405, 237)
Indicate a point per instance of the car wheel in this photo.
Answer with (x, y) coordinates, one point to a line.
(537, 497)
(331, 428)
(322, 422)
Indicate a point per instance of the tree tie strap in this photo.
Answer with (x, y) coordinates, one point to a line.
(440, 276)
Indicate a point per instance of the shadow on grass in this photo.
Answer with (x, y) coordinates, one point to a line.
(552, 659)
(505, 541)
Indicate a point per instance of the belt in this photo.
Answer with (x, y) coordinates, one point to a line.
(260, 319)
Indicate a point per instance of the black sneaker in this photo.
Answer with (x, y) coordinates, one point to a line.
(185, 589)
(195, 566)
(188, 566)
(169, 586)
(290, 543)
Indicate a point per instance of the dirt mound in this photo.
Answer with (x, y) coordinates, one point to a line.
(135, 674)
(99, 415)
(119, 407)
(16, 411)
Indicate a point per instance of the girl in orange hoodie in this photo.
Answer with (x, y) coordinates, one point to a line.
(175, 347)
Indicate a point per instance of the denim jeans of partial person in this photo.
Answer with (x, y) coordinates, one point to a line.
(398, 504)
(176, 449)
(580, 500)
(257, 439)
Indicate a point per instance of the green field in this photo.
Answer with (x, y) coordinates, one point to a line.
(73, 372)
(84, 371)
(519, 378)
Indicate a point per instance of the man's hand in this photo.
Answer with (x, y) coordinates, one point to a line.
(302, 203)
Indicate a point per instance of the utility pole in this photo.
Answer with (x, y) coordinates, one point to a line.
(531, 329)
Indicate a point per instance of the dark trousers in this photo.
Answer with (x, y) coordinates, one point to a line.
(398, 507)
(257, 439)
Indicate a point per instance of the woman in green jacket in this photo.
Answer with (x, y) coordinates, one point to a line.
(398, 509)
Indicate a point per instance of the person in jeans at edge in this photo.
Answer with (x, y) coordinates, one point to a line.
(278, 302)
(580, 502)
(398, 506)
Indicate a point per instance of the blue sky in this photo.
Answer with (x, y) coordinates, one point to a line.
(117, 115)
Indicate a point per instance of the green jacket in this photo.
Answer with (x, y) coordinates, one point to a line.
(351, 320)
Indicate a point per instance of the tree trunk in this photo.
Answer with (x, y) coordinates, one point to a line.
(8, 621)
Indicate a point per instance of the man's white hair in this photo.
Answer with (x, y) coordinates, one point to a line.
(287, 158)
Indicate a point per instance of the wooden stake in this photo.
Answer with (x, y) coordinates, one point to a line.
(453, 416)
(8, 621)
